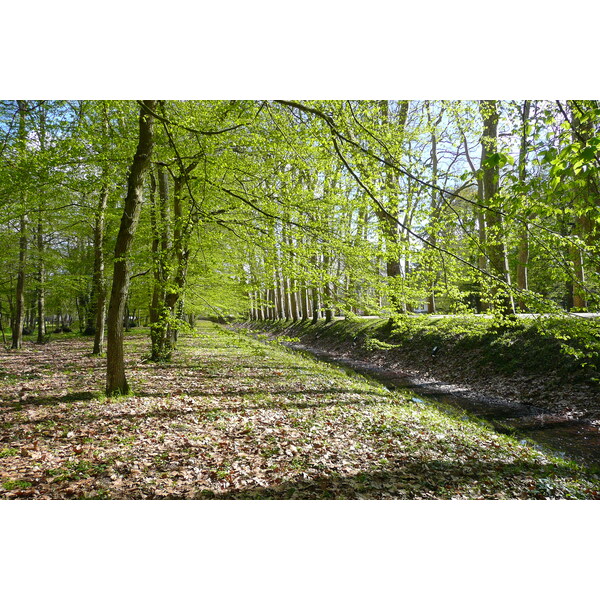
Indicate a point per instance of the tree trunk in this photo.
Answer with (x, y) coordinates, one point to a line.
(279, 296)
(116, 381)
(523, 248)
(260, 305)
(41, 292)
(98, 282)
(582, 130)
(269, 309)
(294, 300)
(304, 304)
(481, 306)
(315, 306)
(41, 274)
(181, 232)
(436, 203)
(161, 254)
(17, 332)
(389, 218)
(2, 328)
(578, 283)
(494, 224)
(285, 296)
(252, 306)
(327, 295)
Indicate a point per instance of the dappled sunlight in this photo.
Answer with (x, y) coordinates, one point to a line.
(281, 426)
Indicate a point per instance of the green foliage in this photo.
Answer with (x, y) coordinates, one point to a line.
(16, 484)
(77, 469)
(579, 338)
(375, 344)
(498, 159)
(568, 346)
(286, 339)
(387, 220)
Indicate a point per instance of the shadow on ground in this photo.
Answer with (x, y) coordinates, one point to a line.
(51, 400)
(415, 479)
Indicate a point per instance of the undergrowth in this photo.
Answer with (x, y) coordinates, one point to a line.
(563, 345)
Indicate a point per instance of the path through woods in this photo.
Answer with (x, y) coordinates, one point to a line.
(233, 417)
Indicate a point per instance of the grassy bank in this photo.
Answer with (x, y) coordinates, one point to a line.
(567, 346)
(550, 361)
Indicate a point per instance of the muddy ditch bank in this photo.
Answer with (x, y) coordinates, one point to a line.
(560, 417)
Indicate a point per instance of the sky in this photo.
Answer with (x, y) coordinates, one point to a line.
(317, 49)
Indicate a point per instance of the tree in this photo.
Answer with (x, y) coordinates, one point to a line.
(116, 381)
(293, 210)
(523, 249)
(17, 328)
(496, 246)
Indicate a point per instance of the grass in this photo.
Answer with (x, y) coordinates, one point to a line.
(8, 452)
(558, 344)
(16, 484)
(234, 417)
(550, 362)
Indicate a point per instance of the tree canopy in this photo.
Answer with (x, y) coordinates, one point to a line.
(292, 209)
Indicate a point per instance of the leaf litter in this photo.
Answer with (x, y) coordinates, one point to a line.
(233, 417)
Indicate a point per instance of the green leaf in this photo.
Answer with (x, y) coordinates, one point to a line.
(587, 154)
(498, 160)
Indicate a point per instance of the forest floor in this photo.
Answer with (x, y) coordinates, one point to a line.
(233, 417)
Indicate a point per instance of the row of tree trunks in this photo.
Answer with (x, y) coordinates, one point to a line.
(298, 303)
(171, 230)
